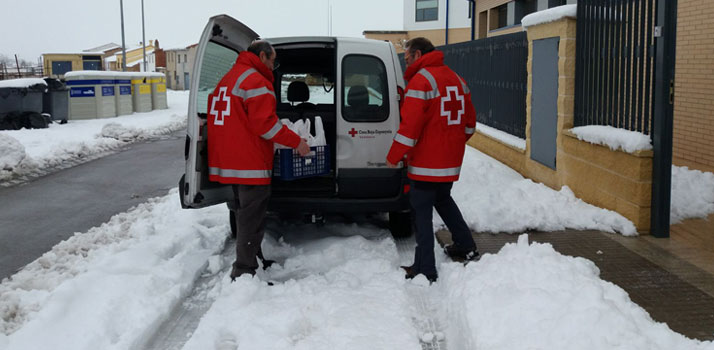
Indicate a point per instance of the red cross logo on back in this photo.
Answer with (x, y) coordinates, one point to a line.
(352, 132)
(222, 100)
(451, 104)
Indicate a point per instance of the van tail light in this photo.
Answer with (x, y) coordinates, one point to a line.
(406, 189)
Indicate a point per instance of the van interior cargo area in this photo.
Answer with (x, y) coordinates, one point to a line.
(304, 86)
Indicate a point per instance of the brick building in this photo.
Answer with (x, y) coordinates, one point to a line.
(693, 143)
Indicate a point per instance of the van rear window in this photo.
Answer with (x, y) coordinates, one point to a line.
(217, 61)
(365, 90)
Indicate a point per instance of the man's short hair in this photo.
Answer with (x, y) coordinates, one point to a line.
(422, 44)
(259, 46)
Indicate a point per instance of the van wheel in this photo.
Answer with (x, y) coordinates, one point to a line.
(400, 224)
(232, 220)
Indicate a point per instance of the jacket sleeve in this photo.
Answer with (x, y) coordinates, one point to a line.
(262, 120)
(470, 127)
(414, 118)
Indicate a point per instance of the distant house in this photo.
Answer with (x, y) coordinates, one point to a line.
(155, 58)
(57, 64)
(179, 67)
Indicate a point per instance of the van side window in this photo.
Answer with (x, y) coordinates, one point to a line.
(365, 89)
(217, 61)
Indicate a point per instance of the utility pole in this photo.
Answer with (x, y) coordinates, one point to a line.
(123, 43)
(143, 34)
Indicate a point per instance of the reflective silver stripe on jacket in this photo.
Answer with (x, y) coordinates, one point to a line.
(273, 131)
(434, 172)
(416, 94)
(470, 130)
(404, 140)
(241, 174)
(464, 86)
(434, 93)
(246, 94)
(240, 80)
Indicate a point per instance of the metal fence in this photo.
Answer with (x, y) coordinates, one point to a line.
(496, 71)
(615, 64)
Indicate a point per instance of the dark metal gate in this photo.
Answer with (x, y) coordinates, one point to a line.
(496, 71)
(625, 76)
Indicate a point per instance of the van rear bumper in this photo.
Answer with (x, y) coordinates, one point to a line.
(338, 205)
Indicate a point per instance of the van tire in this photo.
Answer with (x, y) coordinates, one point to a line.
(232, 220)
(400, 224)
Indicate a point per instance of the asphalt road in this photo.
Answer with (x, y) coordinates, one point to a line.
(37, 215)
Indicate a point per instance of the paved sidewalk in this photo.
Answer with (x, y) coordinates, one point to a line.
(671, 289)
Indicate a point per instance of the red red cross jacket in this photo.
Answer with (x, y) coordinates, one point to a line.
(242, 125)
(437, 120)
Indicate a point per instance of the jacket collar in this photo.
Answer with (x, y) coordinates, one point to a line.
(431, 59)
(250, 59)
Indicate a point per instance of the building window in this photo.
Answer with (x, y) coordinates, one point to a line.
(185, 58)
(179, 58)
(427, 10)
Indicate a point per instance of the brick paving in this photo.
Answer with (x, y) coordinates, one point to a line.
(667, 294)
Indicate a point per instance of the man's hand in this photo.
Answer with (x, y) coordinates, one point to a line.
(390, 165)
(303, 148)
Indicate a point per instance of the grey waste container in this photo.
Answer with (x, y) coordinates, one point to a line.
(55, 101)
(141, 92)
(125, 104)
(158, 90)
(91, 94)
(21, 95)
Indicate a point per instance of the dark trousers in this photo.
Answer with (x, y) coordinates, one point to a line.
(423, 197)
(251, 208)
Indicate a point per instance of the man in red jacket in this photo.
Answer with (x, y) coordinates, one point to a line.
(437, 120)
(242, 127)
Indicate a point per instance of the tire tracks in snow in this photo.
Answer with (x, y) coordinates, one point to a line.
(183, 320)
(431, 333)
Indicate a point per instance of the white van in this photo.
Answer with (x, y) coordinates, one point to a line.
(354, 85)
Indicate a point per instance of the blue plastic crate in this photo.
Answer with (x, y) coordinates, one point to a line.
(288, 165)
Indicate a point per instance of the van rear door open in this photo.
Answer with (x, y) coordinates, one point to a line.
(222, 39)
(367, 119)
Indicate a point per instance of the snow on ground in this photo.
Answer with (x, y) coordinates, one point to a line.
(692, 194)
(495, 198)
(82, 140)
(109, 288)
(614, 138)
(532, 297)
(336, 287)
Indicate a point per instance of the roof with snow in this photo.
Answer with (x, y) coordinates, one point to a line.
(103, 48)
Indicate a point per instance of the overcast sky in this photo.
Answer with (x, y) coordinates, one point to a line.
(30, 28)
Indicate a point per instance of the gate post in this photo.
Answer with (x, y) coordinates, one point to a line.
(665, 43)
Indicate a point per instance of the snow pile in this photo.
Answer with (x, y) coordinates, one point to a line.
(692, 194)
(12, 153)
(615, 138)
(81, 140)
(495, 198)
(532, 297)
(110, 287)
(329, 293)
(550, 15)
(504, 137)
(22, 83)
